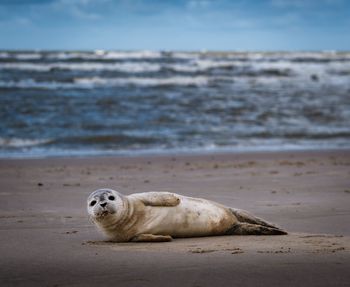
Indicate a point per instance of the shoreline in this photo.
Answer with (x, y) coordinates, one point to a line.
(181, 154)
(46, 238)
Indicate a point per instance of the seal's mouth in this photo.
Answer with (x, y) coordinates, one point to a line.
(103, 214)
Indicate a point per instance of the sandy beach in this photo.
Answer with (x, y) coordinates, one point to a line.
(46, 238)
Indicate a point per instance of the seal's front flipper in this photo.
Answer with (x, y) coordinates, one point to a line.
(151, 238)
(245, 216)
(242, 228)
(156, 198)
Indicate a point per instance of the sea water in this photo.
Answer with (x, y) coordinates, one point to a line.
(137, 102)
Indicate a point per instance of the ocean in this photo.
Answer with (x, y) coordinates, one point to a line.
(87, 103)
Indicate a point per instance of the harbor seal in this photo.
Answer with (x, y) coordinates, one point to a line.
(160, 216)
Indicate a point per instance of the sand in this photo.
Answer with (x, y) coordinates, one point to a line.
(46, 238)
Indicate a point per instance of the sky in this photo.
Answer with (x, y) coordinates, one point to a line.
(175, 25)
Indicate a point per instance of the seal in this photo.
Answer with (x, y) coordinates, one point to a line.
(157, 216)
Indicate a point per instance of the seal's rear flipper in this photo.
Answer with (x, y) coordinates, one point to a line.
(245, 216)
(151, 238)
(242, 228)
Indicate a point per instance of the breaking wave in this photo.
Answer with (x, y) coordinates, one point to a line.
(20, 143)
(82, 102)
(88, 83)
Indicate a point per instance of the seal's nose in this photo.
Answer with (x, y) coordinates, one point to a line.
(103, 204)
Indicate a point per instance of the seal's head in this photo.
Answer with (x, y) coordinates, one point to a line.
(104, 202)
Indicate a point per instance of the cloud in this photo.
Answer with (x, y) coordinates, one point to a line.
(22, 21)
(304, 3)
(25, 2)
(16, 21)
(79, 13)
(198, 4)
(286, 20)
(81, 9)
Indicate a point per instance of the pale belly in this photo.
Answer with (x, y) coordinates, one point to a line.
(192, 217)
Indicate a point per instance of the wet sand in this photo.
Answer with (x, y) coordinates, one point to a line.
(46, 238)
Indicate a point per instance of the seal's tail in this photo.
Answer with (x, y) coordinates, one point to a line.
(251, 225)
(242, 228)
(245, 216)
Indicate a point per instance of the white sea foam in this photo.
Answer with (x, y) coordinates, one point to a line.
(87, 83)
(24, 67)
(132, 55)
(70, 55)
(250, 56)
(201, 65)
(101, 54)
(17, 142)
(27, 56)
(122, 67)
(128, 67)
(4, 55)
(184, 55)
(194, 65)
(183, 68)
(180, 81)
(32, 84)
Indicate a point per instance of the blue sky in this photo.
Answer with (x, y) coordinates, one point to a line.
(175, 25)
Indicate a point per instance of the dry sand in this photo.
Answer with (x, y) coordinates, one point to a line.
(47, 240)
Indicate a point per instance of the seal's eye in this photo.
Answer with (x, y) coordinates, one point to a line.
(111, 197)
(92, 203)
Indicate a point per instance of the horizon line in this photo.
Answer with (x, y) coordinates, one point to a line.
(180, 50)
